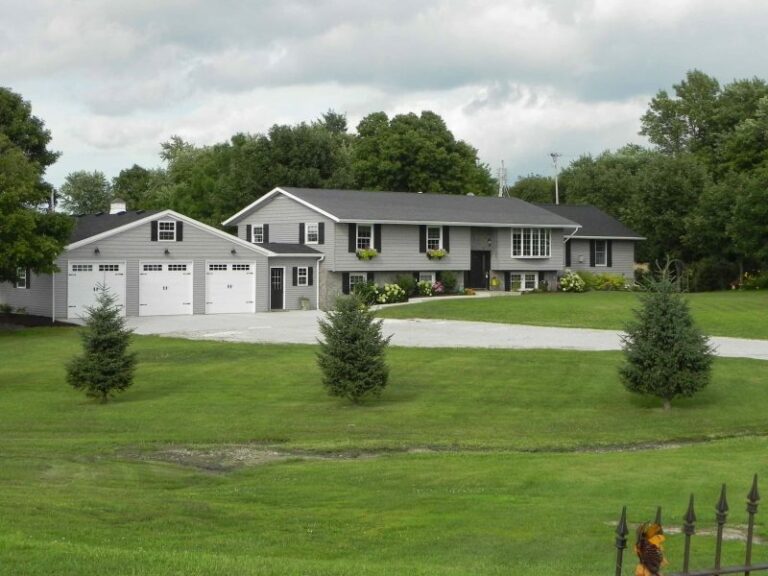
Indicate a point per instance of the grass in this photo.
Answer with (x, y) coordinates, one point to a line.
(737, 314)
(473, 462)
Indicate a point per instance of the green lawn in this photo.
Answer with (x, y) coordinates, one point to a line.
(473, 462)
(738, 314)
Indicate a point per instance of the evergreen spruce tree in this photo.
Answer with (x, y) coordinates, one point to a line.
(665, 354)
(352, 353)
(106, 367)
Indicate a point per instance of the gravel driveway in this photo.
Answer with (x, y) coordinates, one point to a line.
(301, 328)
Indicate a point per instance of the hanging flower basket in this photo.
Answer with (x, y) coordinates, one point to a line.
(438, 254)
(366, 253)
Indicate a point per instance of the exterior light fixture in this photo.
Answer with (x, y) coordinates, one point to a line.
(233, 251)
(96, 251)
(167, 252)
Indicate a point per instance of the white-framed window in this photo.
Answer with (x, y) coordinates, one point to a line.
(364, 236)
(355, 279)
(311, 233)
(524, 281)
(427, 277)
(434, 237)
(302, 276)
(601, 253)
(166, 231)
(257, 233)
(21, 277)
(531, 242)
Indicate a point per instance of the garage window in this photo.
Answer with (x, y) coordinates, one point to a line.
(166, 231)
(109, 267)
(215, 267)
(241, 267)
(177, 267)
(152, 267)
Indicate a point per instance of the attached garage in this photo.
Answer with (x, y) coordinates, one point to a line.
(84, 280)
(165, 288)
(230, 287)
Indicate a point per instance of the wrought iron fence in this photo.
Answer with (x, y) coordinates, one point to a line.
(689, 529)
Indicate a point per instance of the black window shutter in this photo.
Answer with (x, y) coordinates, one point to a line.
(295, 275)
(568, 253)
(345, 281)
(179, 231)
(29, 279)
(609, 250)
(266, 233)
(422, 238)
(248, 235)
(301, 233)
(507, 282)
(321, 233)
(592, 253)
(370, 276)
(352, 241)
(310, 276)
(153, 234)
(447, 238)
(377, 237)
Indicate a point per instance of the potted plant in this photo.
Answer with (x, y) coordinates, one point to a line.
(436, 254)
(366, 253)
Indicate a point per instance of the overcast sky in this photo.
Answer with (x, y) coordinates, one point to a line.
(515, 78)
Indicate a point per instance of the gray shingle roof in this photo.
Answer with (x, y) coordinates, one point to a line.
(281, 248)
(594, 222)
(87, 225)
(356, 206)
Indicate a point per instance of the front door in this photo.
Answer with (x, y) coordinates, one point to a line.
(480, 269)
(277, 288)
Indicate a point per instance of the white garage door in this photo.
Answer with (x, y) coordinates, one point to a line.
(83, 281)
(230, 288)
(165, 288)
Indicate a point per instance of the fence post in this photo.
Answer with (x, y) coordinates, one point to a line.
(689, 528)
(621, 540)
(721, 515)
(752, 499)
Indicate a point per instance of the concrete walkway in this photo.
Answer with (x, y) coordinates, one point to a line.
(301, 328)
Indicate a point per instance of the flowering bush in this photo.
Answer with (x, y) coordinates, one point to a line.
(424, 288)
(437, 254)
(572, 282)
(366, 253)
(390, 293)
(438, 288)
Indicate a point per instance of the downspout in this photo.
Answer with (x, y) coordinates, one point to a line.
(572, 235)
(53, 297)
(317, 283)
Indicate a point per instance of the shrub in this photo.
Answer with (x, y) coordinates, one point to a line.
(352, 351)
(571, 282)
(367, 292)
(438, 288)
(407, 283)
(755, 281)
(469, 292)
(424, 288)
(665, 354)
(450, 282)
(712, 274)
(390, 294)
(106, 367)
(6, 309)
(603, 281)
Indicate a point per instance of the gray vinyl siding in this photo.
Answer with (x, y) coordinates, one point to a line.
(501, 257)
(132, 246)
(35, 300)
(623, 258)
(294, 293)
(400, 251)
(284, 216)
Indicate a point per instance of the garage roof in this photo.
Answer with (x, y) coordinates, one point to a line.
(594, 222)
(87, 225)
(280, 248)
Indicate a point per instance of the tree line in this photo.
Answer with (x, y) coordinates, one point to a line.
(699, 193)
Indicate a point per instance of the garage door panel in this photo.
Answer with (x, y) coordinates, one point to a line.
(84, 280)
(165, 289)
(230, 287)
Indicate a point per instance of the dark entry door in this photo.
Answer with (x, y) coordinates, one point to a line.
(277, 287)
(480, 268)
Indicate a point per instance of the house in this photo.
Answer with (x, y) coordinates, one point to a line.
(487, 242)
(165, 263)
(601, 244)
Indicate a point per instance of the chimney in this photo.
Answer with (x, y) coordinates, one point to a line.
(117, 206)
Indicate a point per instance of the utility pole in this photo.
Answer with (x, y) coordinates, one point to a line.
(555, 157)
(502, 179)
